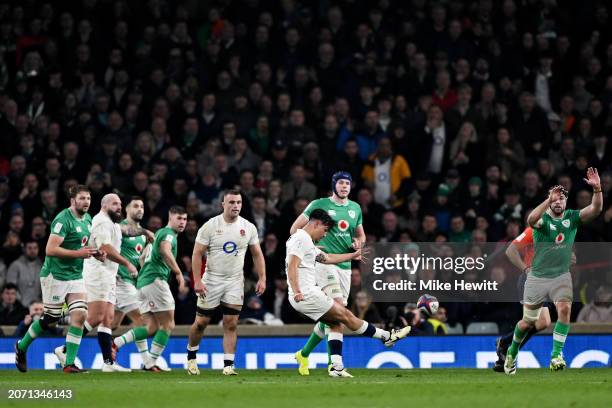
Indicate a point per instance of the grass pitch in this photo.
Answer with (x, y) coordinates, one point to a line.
(285, 388)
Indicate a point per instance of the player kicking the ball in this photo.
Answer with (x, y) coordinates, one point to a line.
(345, 236)
(554, 231)
(156, 301)
(308, 298)
(224, 240)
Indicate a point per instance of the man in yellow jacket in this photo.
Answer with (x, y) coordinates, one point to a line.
(385, 174)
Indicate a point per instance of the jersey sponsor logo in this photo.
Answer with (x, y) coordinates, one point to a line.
(57, 228)
(331, 212)
(565, 223)
(84, 241)
(78, 229)
(138, 248)
(230, 247)
(560, 238)
(552, 227)
(343, 225)
(351, 213)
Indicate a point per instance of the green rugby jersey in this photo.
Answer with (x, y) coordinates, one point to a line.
(75, 232)
(131, 248)
(154, 266)
(339, 239)
(553, 244)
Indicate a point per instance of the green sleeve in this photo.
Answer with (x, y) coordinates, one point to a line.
(310, 208)
(60, 227)
(575, 218)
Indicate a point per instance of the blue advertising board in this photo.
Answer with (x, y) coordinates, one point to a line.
(359, 352)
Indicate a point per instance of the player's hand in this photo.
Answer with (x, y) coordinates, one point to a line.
(199, 287)
(27, 320)
(132, 270)
(86, 252)
(180, 279)
(592, 178)
(573, 260)
(298, 297)
(149, 235)
(260, 288)
(183, 289)
(356, 244)
(100, 255)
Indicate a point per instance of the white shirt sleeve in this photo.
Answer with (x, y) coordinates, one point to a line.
(103, 234)
(204, 234)
(297, 246)
(254, 235)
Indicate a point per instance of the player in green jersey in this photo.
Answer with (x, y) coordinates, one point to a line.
(347, 235)
(61, 278)
(156, 300)
(554, 231)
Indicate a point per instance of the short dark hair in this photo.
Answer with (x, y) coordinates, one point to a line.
(177, 209)
(323, 216)
(231, 191)
(75, 190)
(9, 286)
(133, 198)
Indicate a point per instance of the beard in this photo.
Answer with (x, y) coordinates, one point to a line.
(556, 211)
(115, 216)
(81, 211)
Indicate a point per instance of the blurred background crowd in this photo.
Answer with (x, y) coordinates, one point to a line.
(454, 118)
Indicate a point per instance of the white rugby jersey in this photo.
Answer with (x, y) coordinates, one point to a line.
(227, 245)
(301, 245)
(103, 231)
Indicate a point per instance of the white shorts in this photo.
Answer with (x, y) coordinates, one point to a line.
(335, 282)
(226, 291)
(55, 292)
(100, 285)
(315, 304)
(155, 297)
(127, 297)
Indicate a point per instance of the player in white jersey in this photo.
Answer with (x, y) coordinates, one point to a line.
(100, 277)
(223, 240)
(308, 298)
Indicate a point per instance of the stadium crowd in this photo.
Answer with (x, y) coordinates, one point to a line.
(453, 117)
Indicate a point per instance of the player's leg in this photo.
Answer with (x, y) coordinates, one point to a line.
(162, 336)
(561, 293)
(196, 332)
(51, 315)
(230, 336)
(334, 345)
(341, 314)
(77, 309)
(326, 278)
(119, 316)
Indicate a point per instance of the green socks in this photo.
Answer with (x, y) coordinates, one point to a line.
(559, 335)
(33, 332)
(73, 340)
(314, 339)
(136, 334)
(158, 345)
(519, 335)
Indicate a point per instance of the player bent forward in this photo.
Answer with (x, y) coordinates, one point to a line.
(308, 298)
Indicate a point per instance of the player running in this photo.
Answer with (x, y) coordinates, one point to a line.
(520, 253)
(156, 300)
(345, 236)
(223, 240)
(554, 231)
(308, 298)
(61, 278)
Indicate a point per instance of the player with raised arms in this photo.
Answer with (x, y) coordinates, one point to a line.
(345, 236)
(554, 231)
(307, 297)
(223, 241)
(156, 300)
(61, 278)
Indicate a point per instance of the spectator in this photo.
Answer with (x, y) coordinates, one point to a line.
(364, 309)
(298, 186)
(385, 174)
(11, 310)
(35, 312)
(24, 272)
(599, 310)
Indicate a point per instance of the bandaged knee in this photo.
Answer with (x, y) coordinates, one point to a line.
(531, 315)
